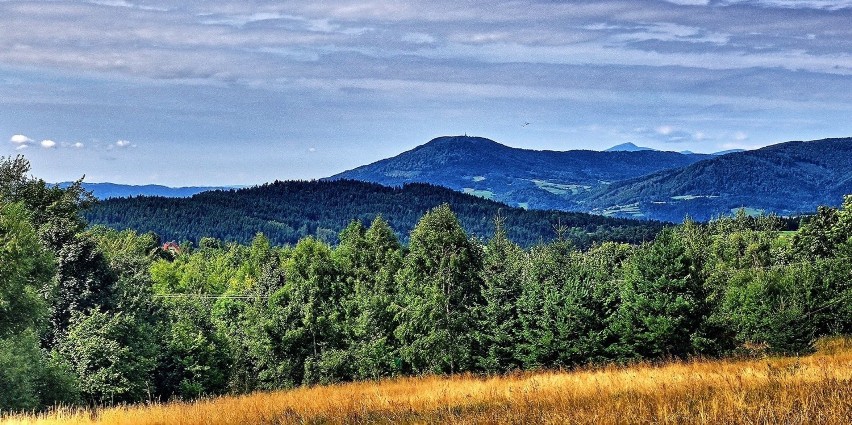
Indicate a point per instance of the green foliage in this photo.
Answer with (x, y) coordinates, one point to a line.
(132, 322)
(369, 260)
(84, 281)
(439, 287)
(113, 356)
(497, 323)
(30, 378)
(286, 212)
(305, 319)
(25, 267)
(663, 301)
(55, 211)
(194, 360)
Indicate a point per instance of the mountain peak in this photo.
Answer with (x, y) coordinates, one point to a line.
(458, 140)
(627, 147)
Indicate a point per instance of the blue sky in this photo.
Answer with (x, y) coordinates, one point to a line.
(243, 92)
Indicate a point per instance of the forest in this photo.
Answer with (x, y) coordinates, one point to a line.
(95, 316)
(287, 211)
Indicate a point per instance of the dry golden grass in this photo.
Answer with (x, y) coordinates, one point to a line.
(815, 389)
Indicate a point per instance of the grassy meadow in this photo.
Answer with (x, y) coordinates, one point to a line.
(792, 390)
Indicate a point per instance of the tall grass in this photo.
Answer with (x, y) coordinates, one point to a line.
(816, 389)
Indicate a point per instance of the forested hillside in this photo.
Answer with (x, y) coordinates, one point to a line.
(288, 211)
(518, 177)
(786, 178)
(99, 316)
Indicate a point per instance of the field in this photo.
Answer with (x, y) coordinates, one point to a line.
(793, 390)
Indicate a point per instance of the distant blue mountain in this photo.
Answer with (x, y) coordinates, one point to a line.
(628, 147)
(518, 177)
(630, 181)
(114, 190)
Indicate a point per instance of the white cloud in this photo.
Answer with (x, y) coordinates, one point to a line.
(76, 145)
(740, 136)
(21, 147)
(312, 149)
(126, 4)
(48, 144)
(699, 136)
(122, 143)
(690, 2)
(667, 31)
(665, 130)
(798, 4)
(20, 139)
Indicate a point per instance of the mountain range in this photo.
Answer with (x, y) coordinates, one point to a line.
(629, 181)
(115, 190)
(625, 181)
(520, 177)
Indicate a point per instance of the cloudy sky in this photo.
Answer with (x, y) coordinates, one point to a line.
(245, 91)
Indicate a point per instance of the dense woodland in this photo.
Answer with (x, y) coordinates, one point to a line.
(92, 315)
(288, 211)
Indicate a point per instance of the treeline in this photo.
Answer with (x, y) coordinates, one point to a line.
(101, 316)
(286, 212)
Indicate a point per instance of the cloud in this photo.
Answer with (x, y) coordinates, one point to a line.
(740, 136)
(122, 143)
(690, 2)
(797, 4)
(665, 133)
(75, 145)
(671, 32)
(48, 144)
(20, 139)
(126, 4)
(21, 147)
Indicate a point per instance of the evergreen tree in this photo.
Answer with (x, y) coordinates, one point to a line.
(664, 304)
(497, 318)
(439, 286)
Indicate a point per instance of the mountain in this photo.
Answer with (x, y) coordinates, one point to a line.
(518, 177)
(786, 178)
(628, 147)
(288, 211)
(114, 190)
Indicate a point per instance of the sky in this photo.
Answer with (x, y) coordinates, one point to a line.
(241, 92)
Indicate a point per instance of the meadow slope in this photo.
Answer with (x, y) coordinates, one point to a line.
(792, 390)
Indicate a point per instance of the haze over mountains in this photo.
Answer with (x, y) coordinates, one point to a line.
(786, 178)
